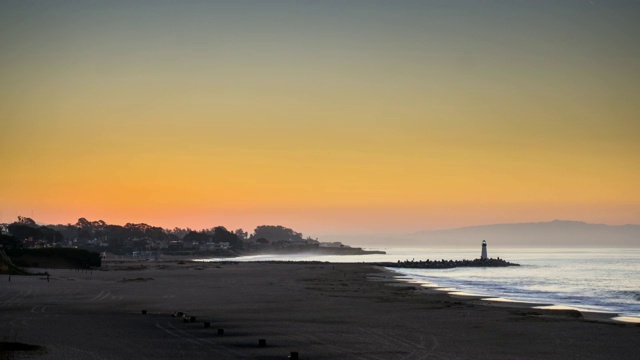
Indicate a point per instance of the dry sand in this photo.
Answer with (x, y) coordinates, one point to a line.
(322, 311)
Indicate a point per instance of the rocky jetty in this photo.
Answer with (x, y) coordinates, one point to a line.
(447, 264)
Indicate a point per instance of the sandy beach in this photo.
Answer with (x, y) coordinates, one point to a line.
(320, 310)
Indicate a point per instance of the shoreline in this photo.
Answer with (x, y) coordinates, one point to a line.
(542, 308)
(596, 315)
(321, 310)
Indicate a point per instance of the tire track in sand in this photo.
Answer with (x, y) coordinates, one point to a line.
(172, 330)
(101, 296)
(18, 298)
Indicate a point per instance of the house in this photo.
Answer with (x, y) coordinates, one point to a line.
(211, 246)
(175, 245)
(336, 244)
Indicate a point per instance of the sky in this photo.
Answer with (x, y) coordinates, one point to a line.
(323, 116)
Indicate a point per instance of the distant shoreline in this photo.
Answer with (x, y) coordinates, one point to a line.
(317, 251)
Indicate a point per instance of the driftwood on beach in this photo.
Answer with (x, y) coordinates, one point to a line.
(447, 264)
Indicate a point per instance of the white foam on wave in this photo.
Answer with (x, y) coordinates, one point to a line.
(628, 319)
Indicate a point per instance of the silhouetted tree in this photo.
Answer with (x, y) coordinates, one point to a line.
(276, 233)
(50, 235)
(221, 234)
(90, 229)
(26, 221)
(21, 231)
(68, 231)
(241, 234)
(144, 230)
(197, 237)
(9, 242)
(179, 232)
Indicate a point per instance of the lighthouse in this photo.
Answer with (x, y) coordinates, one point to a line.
(483, 256)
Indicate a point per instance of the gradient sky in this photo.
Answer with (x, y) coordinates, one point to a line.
(324, 116)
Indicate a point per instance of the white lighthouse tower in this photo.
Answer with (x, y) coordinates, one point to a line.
(483, 256)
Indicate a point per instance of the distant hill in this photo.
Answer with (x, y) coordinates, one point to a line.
(554, 233)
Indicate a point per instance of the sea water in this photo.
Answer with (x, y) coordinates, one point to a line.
(602, 279)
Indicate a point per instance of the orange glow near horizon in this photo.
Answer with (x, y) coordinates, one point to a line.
(347, 119)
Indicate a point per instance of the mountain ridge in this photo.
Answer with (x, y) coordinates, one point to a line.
(552, 222)
(552, 233)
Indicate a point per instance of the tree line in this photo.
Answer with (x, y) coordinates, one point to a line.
(84, 233)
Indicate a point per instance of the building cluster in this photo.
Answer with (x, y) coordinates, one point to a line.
(101, 237)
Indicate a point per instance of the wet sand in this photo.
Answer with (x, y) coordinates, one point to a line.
(320, 310)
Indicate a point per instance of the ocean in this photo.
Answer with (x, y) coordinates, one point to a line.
(593, 279)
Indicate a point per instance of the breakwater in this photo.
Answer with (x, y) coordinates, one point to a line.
(447, 264)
